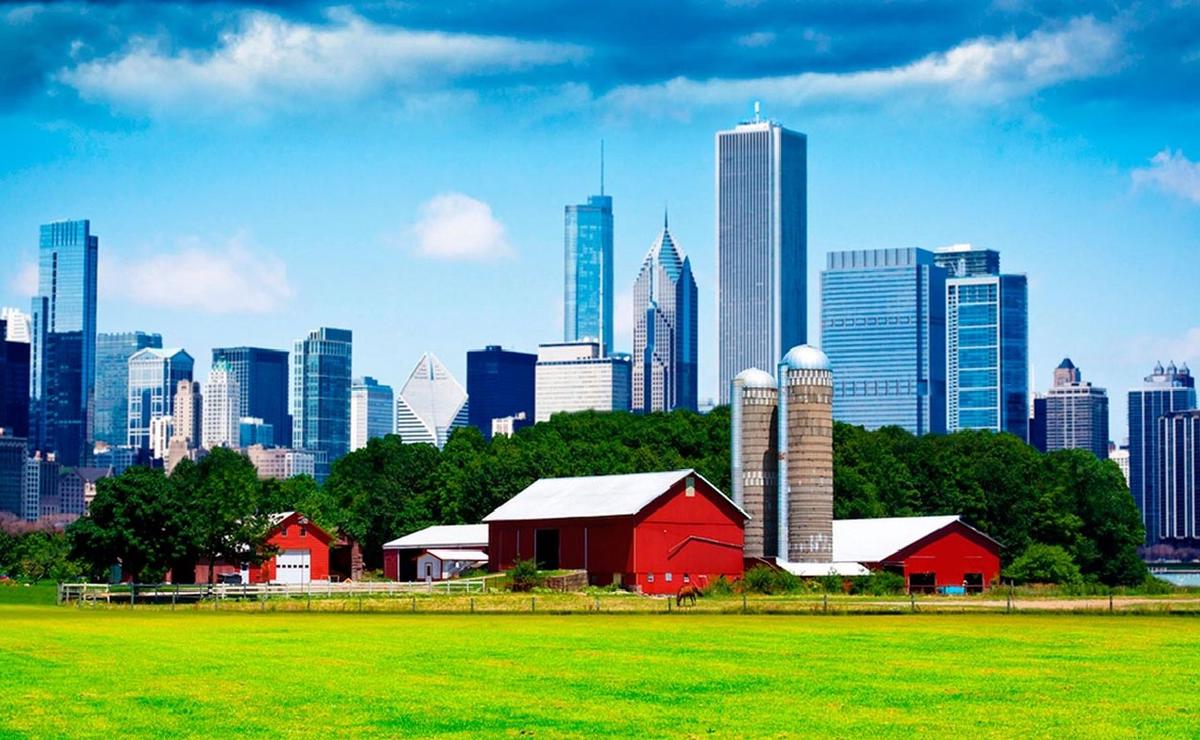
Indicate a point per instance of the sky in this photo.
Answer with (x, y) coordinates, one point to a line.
(254, 171)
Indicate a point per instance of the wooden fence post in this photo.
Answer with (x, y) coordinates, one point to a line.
(532, 604)
(414, 604)
(743, 602)
(472, 604)
(825, 603)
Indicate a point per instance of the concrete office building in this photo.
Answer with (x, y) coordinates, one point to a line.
(18, 325)
(222, 405)
(1179, 460)
(1076, 413)
(282, 463)
(154, 376)
(577, 376)
(188, 414)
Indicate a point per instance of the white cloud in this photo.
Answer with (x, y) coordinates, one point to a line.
(230, 278)
(269, 61)
(454, 226)
(757, 39)
(24, 281)
(1173, 173)
(981, 71)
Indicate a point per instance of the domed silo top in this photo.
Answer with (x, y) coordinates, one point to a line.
(805, 357)
(752, 377)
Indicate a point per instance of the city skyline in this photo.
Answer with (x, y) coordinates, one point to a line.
(1071, 197)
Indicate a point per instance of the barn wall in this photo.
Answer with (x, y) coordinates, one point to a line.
(609, 545)
(391, 564)
(951, 554)
(696, 538)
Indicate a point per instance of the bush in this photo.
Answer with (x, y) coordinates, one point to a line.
(523, 576)
(1044, 564)
(764, 580)
(882, 583)
(720, 587)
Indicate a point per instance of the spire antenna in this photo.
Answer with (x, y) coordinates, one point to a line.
(664, 216)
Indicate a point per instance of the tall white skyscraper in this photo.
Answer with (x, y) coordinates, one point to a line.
(762, 245)
(577, 376)
(222, 408)
(371, 411)
(665, 331)
(188, 412)
(431, 404)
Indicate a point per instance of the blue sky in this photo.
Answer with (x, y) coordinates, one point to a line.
(254, 171)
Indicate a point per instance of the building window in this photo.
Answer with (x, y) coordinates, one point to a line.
(283, 532)
(649, 578)
(667, 577)
(303, 531)
(691, 486)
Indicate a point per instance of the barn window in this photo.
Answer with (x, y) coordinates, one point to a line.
(667, 577)
(283, 531)
(691, 486)
(649, 578)
(303, 531)
(687, 578)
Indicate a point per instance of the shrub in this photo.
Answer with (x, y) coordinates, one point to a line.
(764, 580)
(832, 583)
(881, 583)
(523, 576)
(1044, 564)
(720, 587)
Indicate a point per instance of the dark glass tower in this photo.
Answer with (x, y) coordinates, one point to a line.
(262, 376)
(1164, 391)
(14, 385)
(63, 347)
(500, 383)
(321, 369)
(112, 382)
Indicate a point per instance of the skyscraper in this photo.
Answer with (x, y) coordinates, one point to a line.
(1179, 459)
(431, 404)
(762, 245)
(154, 375)
(588, 273)
(222, 404)
(12, 473)
(112, 382)
(1164, 391)
(1076, 413)
(188, 414)
(262, 377)
(665, 330)
(500, 384)
(20, 325)
(14, 384)
(577, 376)
(883, 326)
(63, 348)
(372, 411)
(321, 369)
(987, 344)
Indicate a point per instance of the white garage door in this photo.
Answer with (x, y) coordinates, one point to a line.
(293, 566)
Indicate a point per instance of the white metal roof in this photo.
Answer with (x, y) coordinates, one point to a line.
(590, 496)
(474, 556)
(816, 570)
(874, 540)
(449, 536)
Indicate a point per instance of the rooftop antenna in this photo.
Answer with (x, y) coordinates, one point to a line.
(664, 216)
(757, 112)
(602, 166)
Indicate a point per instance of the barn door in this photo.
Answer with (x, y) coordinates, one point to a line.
(545, 549)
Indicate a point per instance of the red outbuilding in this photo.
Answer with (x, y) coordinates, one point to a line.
(301, 554)
(933, 553)
(652, 532)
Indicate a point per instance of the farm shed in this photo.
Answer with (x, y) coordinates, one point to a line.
(648, 531)
(302, 554)
(400, 555)
(438, 564)
(931, 552)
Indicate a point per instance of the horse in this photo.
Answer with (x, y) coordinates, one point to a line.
(688, 591)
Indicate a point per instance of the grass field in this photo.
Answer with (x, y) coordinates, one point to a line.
(152, 672)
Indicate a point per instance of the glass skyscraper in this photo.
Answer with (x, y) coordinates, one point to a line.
(112, 382)
(987, 344)
(883, 326)
(321, 365)
(665, 331)
(14, 384)
(1180, 461)
(262, 378)
(762, 244)
(588, 273)
(500, 384)
(372, 411)
(154, 375)
(1164, 391)
(63, 348)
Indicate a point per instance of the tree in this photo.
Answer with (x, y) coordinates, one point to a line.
(224, 520)
(1044, 564)
(301, 493)
(134, 521)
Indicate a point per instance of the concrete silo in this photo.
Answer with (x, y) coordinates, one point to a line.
(805, 441)
(754, 399)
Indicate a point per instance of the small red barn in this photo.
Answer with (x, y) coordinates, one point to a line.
(648, 531)
(931, 552)
(301, 554)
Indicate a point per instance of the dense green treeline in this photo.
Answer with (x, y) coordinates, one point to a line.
(1074, 508)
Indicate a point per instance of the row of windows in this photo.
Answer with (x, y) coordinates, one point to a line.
(667, 577)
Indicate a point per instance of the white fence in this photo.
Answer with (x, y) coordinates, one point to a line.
(167, 592)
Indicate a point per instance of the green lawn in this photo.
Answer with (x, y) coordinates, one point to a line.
(65, 671)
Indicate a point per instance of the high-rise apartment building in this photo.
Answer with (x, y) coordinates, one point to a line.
(113, 351)
(14, 383)
(588, 271)
(321, 370)
(577, 376)
(1179, 460)
(431, 404)
(282, 463)
(12, 473)
(63, 348)
(883, 326)
(987, 344)
(762, 245)
(222, 404)
(372, 411)
(40, 493)
(262, 377)
(1076, 413)
(500, 384)
(154, 376)
(665, 330)
(188, 414)
(1164, 391)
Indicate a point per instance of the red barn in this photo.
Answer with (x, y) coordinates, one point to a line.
(647, 531)
(931, 552)
(302, 554)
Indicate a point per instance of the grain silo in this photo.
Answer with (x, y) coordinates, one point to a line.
(754, 399)
(805, 442)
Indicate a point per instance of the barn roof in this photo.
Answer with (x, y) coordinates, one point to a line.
(443, 535)
(592, 496)
(478, 556)
(875, 540)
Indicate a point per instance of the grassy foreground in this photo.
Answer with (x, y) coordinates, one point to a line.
(118, 672)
